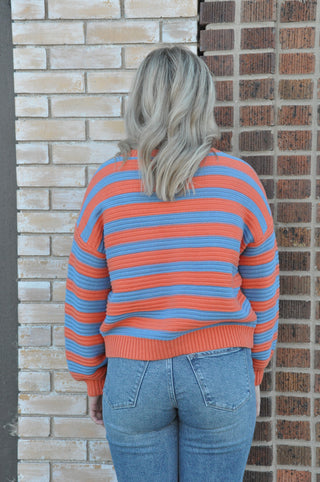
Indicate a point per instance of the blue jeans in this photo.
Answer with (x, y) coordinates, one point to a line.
(188, 418)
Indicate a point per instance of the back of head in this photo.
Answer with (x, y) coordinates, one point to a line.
(170, 110)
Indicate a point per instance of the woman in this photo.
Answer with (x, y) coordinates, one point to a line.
(172, 286)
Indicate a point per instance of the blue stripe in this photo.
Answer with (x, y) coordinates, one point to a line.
(173, 219)
(177, 266)
(84, 351)
(173, 243)
(85, 306)
(184, 313)
(268, 245)
(160, 335)
(261, 294)
(87, 258)
(257, 271)
(82, 328)
(87, 282)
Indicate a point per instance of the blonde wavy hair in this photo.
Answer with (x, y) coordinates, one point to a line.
(170, 120)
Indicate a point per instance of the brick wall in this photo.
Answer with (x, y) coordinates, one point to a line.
(74, 63)
(265, 56)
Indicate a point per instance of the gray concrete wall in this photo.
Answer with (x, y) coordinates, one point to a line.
(8, 256)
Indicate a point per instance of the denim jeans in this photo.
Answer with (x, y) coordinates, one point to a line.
(189, 418)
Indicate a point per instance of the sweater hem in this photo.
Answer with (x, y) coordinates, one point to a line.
(197, 341)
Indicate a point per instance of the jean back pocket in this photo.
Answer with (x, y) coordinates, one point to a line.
(223, 376)
(123, 382)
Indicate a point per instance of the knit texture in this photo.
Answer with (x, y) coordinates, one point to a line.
(150, 279)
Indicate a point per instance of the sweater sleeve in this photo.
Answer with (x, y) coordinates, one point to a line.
(259, 269)
(87, 290)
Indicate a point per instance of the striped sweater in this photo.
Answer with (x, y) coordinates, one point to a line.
(150, 279)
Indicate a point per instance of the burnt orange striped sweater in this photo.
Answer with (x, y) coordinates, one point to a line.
(149, 279)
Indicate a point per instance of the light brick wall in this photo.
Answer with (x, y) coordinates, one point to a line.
(74, 62)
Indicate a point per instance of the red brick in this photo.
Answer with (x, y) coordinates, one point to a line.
(293, 357)
(295, 309)
(296, 89)
(297, 38)
(318, 213)
(224, 143)
(294, 140)
(317, 333)
(256, 141)
(293, 333)
(216, 39)
(216, 12)
(292, 382)
(268, 185)
(317, 237)
(293, 165)
(293, 188)
(256, 89)
(297, 430)
(257, 115)
(257, 63)
(317, 407)
(317, 383)
(262, 432)
(295, 285)
(267, 382)
(257, 11)
(294, 260)
(250, 476)
(291, 405)
(294, 237)
(298, 11)
(284, 475)
(295, 115)
(317, 359)
(318, 260)
(220, 64)
(224, 90)
(263, 165)
(294, 212)
(260, 455)
(224, 116)
(265, 407)
(289, 455)
(317, 286)
(297, 63)
(258, 38)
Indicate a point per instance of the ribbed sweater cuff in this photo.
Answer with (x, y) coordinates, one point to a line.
(258, 375)
(95, 387)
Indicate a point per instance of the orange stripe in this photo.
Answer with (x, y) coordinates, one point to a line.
(81, 360)
(87, 270)
(84, 317)
(173, 231)
(191, 278)
(84, 294)
(263, 327)
(265, 305)
(84, 340)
